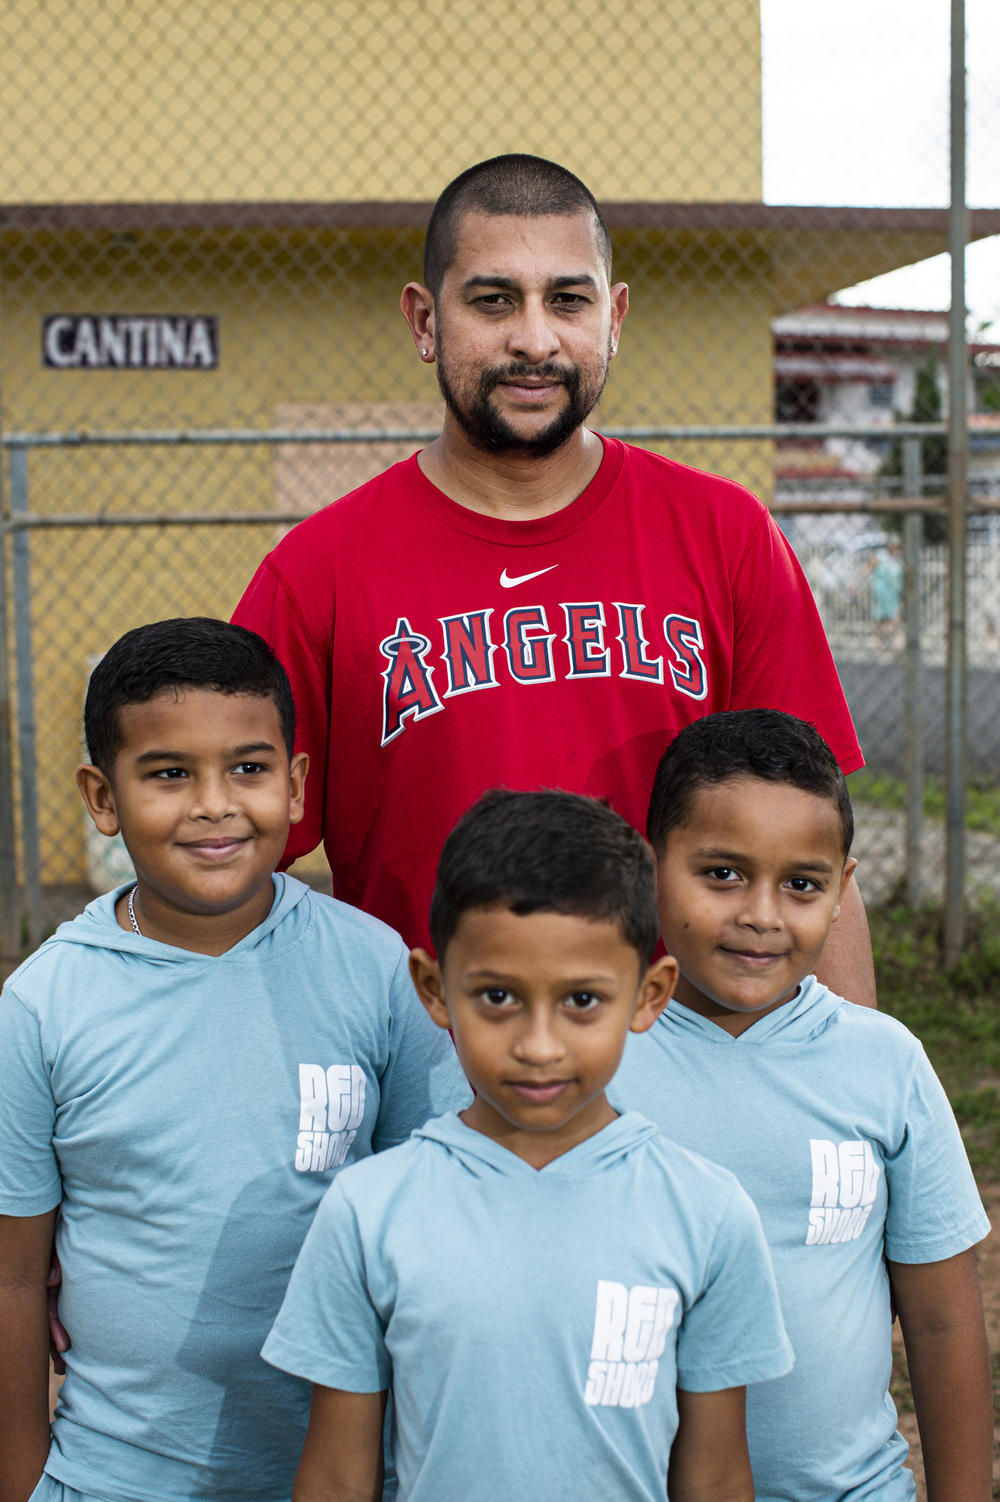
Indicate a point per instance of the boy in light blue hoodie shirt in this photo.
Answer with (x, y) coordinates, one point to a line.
(564, 1304)
(183, 1070)
(828, 1113)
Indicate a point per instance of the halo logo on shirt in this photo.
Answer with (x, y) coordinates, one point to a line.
(630, 1335)
(844, 1184)
(331, 1107)
(596, 639)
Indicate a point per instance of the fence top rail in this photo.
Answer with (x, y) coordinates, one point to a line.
(81, 438)
(29, 522)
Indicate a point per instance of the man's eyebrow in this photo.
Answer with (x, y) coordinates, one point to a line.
(511, 284)
(250, 749)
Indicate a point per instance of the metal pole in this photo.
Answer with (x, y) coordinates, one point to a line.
(25, 700)
(956, 689)
(10, 908)
(913, 709)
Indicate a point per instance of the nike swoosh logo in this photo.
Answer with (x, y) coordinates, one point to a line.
(508, 582)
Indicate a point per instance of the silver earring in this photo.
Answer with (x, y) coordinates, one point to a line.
(424, 353)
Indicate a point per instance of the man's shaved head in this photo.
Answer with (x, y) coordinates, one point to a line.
(528, 187)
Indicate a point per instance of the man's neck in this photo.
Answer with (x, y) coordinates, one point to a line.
(515, 487)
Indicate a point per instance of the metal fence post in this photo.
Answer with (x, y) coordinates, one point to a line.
(913, 712)
(10, 908)
(956, 689)
(25, 695)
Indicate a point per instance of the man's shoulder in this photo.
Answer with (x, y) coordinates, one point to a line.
(663, 477)
(352, 510)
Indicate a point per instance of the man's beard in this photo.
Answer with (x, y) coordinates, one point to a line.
(490, 431)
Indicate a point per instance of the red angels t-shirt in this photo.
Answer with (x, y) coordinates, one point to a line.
(435, 652)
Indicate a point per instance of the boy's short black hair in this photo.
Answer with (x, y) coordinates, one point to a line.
(763, 743)
(546, 852)
(526, 186)
(187, 652)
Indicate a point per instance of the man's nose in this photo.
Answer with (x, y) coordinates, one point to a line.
(533, 334)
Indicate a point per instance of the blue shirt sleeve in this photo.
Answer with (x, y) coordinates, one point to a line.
(934, 1206)
(328, 1329)
(734, 1334)
(30, 1182)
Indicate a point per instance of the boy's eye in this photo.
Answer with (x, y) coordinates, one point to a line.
(250, 768)
(723, 873)
(803, 884)
(496, 996)
(170, 773)
(582, 1001)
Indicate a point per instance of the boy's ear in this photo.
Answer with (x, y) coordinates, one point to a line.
(848, 871)
(655, 991)
(297, 769)
(426, 976)
(96, 792)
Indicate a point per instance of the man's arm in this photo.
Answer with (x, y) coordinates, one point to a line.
(846, 964)
(342, 1457)
(709, 1461)
(941, 1316)
(25, 1251)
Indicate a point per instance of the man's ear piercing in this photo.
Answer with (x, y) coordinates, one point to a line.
(424, 353)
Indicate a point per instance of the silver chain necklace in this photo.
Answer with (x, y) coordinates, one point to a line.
(131, 911)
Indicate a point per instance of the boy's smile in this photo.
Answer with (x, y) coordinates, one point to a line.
(203, 793)
(748, 887)
(539, 1007)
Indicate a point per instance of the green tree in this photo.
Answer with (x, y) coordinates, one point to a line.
(934, 450)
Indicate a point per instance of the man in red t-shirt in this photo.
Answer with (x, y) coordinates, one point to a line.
(525, 603)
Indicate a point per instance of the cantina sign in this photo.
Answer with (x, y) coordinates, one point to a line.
(130, 341)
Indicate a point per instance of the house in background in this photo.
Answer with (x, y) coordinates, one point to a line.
(835, 364)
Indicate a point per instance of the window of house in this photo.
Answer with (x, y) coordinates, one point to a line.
(796, 401)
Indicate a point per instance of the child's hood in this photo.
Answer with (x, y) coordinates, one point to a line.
(98, 928)
(484, 1158)
(798, 1021)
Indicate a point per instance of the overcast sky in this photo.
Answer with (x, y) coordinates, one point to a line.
(856, 110)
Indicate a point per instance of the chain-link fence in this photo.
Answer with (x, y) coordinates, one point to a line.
(207, 211)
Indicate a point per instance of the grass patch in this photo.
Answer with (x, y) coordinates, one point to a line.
(956, 1016)
(982, 803)
(953, 1013)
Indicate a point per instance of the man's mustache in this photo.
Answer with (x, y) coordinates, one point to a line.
(519, 370)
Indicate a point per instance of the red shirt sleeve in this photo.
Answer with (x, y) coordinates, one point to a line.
(781, 655)
(303, 648)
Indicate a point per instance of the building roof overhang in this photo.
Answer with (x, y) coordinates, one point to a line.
(791, 365)
(810, 251)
